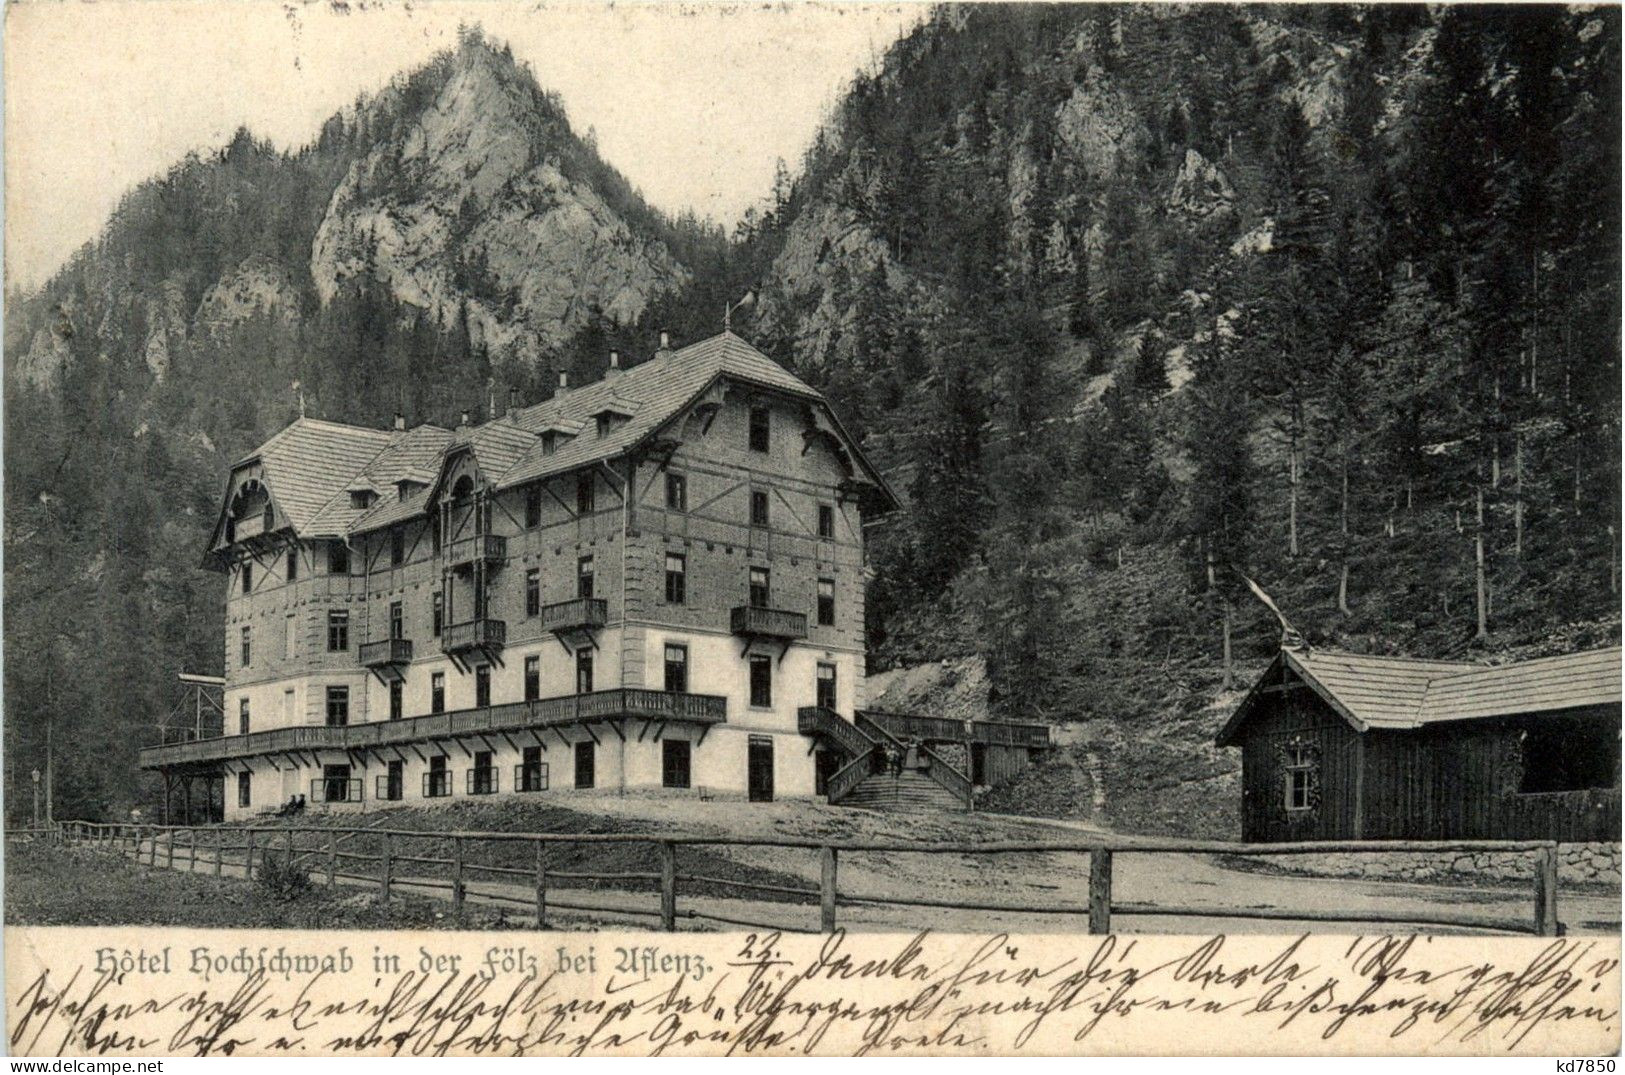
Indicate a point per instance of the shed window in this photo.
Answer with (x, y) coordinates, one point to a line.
(1560, 755)
(1302, 766)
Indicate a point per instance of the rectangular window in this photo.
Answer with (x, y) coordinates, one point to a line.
(826, 602)
(437, 781)
(761, 680)
(533, 592)
(245, 785)
(242, 716)
(482, 686)
(397, 620)
(758, 429)
(248, 577)
(394, 782)
(434, 536)
(437, 692)
(397, 547)
(676, 492)
(397, 702)
(338, 630)
(247, 646)
(287, 707)
(584, 765)
(676, 579)
(674, 763)
(533, 678)
(532, 774)
(583, 671)
(603, 425)
(293, 565)
(338, 558)
(825, 691)
(1300, 777)
(759, 590)
(584, 577)
(290, 636)
(338, 706)
(533, 506)
(826, 521)
(758, 507)
(439, 613)
(584, 494)
(677, 669)
(482, 779)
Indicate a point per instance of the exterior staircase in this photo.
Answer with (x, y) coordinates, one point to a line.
(910, 791)
(865, 781)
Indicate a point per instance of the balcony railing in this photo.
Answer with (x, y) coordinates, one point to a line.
(492, 548)
(614, 704)
(816, 720)
(768, 622)
(333, 789)
(386, 651)
(583, 613)
(530, 777)
(461, 636)
(927, 729)
(999, 733)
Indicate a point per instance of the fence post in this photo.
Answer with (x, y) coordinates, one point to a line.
(248, 859)
(152, 852)
(191, 851)
(169, 851)
(541, 886)
(1100, 890)
(1546, 891)
(826, 889)
(332, 857)
(457, 874)
(668, 886)
(385, 864)
(219, 850)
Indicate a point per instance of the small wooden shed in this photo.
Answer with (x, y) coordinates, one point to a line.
(1344, 746)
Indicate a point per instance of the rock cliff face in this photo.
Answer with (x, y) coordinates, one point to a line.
(468, 208)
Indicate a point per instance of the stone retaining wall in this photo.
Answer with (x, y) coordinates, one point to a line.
(1589, 863)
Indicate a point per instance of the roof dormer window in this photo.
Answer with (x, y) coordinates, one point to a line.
(550, 441)
(361, 498)
(603, 424)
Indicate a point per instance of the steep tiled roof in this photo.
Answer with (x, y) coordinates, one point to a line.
(1406, 693)
(310, 461)
(311, 465)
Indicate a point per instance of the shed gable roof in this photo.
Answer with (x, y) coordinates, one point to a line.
(1405, 693)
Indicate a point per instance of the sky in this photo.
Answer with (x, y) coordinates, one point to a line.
(694, 103)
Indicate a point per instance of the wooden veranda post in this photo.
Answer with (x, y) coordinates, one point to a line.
(668, 886)
(826, 889)
(1100, 890)
(219, 850)
(1546, 891)
(332, 857)
(248, 859)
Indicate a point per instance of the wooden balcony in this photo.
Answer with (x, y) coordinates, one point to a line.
(386, 651)
(768, 623)
(581, 614)
(618, 703)
(464, 552)
(476, 634)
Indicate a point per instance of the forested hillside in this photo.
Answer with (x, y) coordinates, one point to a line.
(1131, 303)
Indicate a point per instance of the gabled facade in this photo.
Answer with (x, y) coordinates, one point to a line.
(641, 583)
(1344, 746)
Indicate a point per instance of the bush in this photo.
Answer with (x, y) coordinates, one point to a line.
(282, 879)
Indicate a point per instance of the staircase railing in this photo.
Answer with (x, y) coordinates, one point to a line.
(816, 720)
(937, 767)
(849, 776)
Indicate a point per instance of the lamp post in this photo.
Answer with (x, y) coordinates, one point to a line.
(35, 776)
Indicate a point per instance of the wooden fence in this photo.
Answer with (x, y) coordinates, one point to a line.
(210, 846)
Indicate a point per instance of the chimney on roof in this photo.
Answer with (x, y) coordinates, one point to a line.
(564, 384)
(614, 369)
(464, 423)
(400, 420)
(665, 345)
(513, 401)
